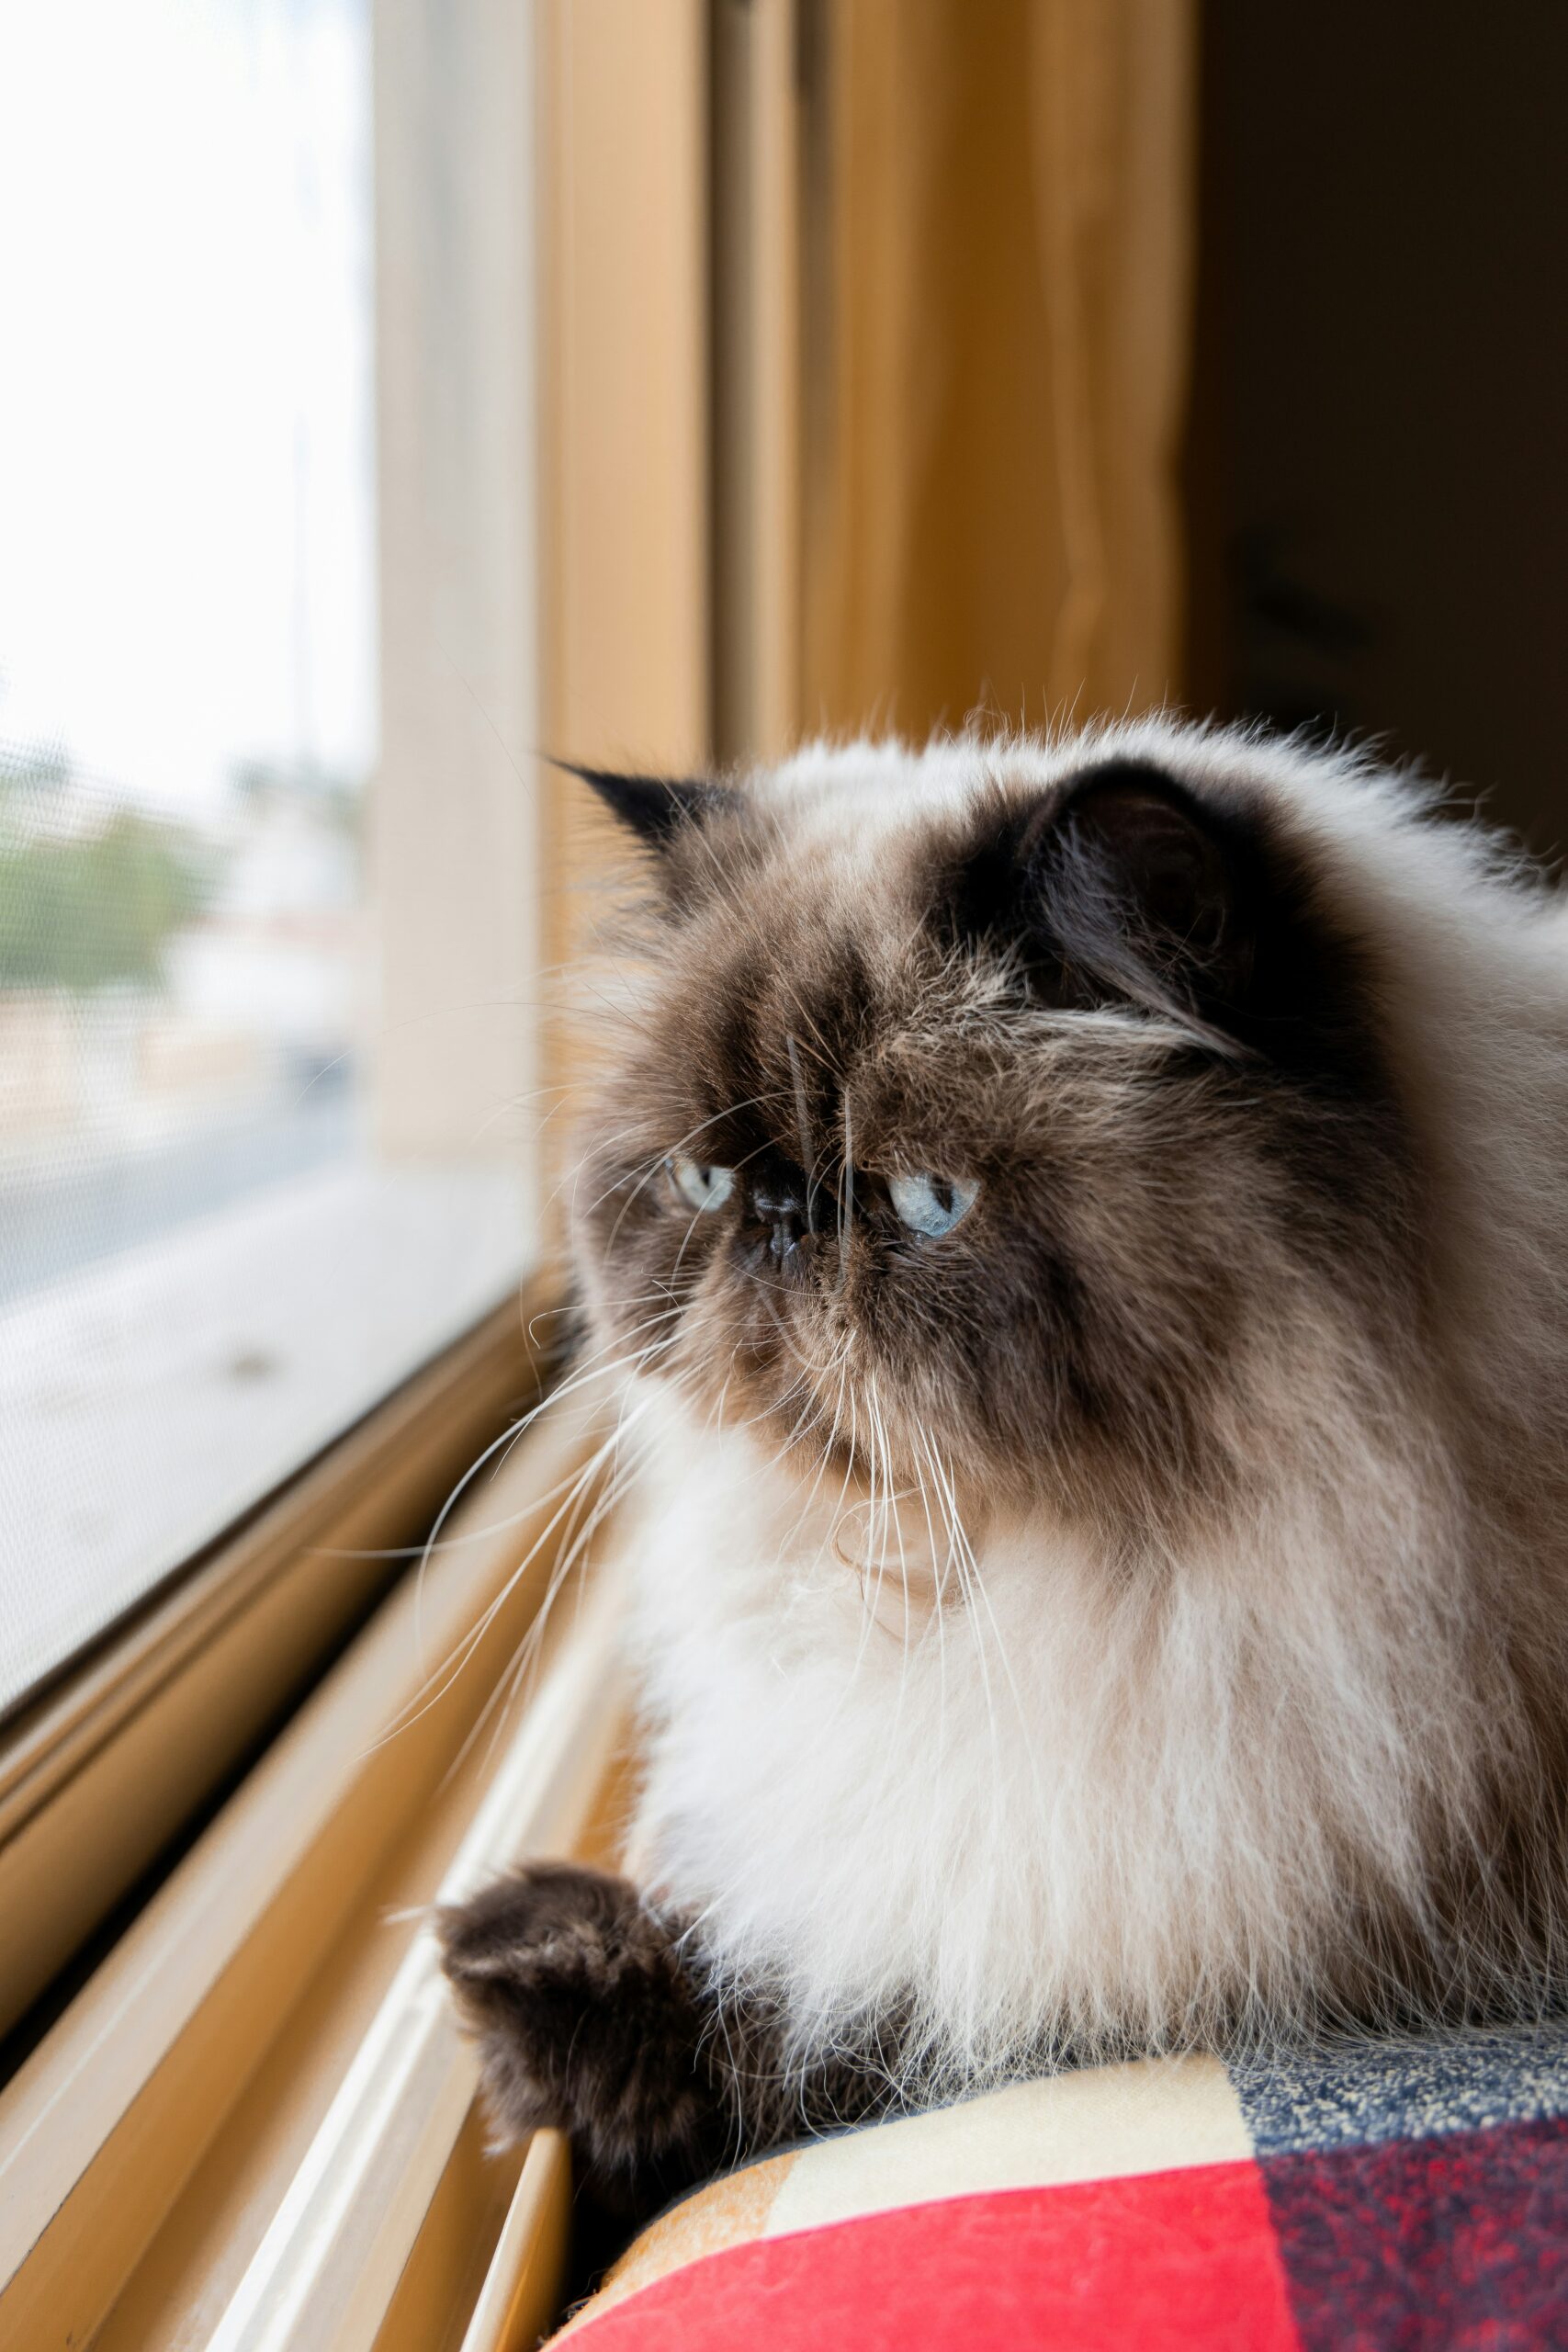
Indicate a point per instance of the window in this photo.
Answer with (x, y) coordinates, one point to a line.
(260, 1156)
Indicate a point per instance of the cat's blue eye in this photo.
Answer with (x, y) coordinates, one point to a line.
(700, 1187)
(933, 1204)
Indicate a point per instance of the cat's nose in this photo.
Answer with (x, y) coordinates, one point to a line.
(778, 1205)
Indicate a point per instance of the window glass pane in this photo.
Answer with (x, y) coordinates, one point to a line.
(205, 1269)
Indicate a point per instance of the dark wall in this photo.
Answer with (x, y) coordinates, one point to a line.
(1378, 484)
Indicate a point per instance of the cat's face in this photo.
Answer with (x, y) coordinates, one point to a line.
(979, 1118)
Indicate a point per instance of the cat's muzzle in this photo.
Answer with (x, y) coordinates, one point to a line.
(782, 1217)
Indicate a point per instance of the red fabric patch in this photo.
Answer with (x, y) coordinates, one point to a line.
(1164, 2262)
(1458, 2240)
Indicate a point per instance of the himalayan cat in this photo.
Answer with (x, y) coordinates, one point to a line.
(1080, 1231)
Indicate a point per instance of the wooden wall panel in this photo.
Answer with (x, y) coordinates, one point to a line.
(624, 386)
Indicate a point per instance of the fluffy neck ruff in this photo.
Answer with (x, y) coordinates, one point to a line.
(1097, 1798)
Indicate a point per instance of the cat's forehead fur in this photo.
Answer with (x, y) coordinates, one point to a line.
(831, 858)
(893, 788)
(856, 822)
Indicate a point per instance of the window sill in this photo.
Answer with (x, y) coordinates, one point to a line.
(208, 2138)
(198, 1371)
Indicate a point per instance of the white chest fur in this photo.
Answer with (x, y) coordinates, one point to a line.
(1075, 1799)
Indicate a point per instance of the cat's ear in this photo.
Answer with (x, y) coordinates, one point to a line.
(658, 809)
(1133, 879)
(1132, 835)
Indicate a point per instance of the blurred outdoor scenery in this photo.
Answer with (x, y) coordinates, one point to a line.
(187, 618)
(180, 1003)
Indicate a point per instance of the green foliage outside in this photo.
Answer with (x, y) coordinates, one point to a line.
(94, 909)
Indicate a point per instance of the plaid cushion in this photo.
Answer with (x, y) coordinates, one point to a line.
(1408, 2194)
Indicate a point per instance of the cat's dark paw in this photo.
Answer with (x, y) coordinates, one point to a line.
(584, 2020)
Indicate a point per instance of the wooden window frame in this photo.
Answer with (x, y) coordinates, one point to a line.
(107, 2128)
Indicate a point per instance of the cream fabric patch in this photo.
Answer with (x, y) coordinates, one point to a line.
(1153, 2115)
